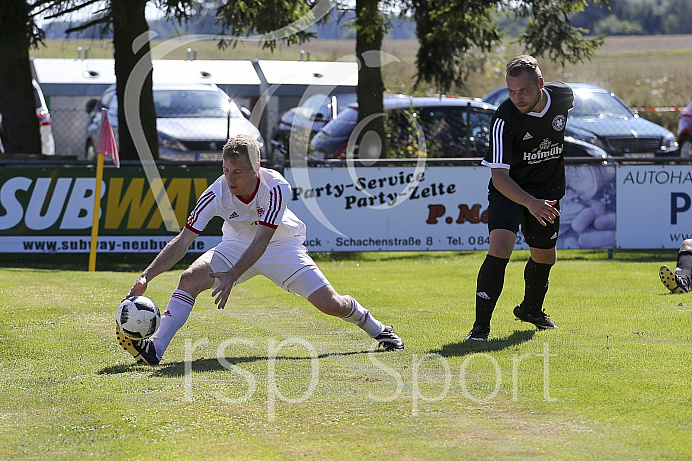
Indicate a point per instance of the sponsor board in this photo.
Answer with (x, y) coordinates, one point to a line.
(51, 210)
(654, 206)
(345, 209)
(40, 202)
(390, 208)
(106, 244)
(434, 208)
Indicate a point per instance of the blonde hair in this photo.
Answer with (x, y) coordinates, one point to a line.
(242, 146)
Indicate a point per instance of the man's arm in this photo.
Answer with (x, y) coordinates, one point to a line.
(542, 210)
(171, 254)
(249, 257)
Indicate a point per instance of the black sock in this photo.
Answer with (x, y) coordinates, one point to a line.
(684, 269)
(491, 279)
(535, 285)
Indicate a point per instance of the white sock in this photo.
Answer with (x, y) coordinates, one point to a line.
(174, 317)
(361, 316)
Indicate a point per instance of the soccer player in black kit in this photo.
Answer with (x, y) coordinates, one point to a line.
(526, 185)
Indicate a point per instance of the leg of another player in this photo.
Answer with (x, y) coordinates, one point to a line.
(193, 281)
(679, 280)
(536, 278)
(490, 281)
(684, 265)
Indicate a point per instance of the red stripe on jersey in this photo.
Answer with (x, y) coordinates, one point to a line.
(189, 227)
(202, 203)
(271, 226)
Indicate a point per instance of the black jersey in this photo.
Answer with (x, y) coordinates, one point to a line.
(530, 145)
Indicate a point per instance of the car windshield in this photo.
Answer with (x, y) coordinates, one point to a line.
(193, 104)
(449, 131)
(594, 104)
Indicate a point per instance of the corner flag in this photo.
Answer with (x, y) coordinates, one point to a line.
(106, 146)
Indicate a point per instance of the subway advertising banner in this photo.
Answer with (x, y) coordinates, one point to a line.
(434, 208)
(51, 210)
(654, 206)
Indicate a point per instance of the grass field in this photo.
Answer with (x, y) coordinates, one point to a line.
(269, 377)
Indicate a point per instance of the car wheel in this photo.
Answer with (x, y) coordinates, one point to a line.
(90, 152)
(686, 147)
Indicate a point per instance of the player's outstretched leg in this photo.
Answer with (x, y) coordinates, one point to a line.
(383, 334)
(673, 281)
(327, 300)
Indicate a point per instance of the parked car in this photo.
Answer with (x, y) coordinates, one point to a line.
(194, 121)
(452, 128)
(47, 140)
(307, 119)
(601, 118)
(685, 132)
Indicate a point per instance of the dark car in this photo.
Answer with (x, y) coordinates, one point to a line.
(602, 119)
(307, 119)
(446, 127)
(193, 121)
(450, 127)
(685, 132)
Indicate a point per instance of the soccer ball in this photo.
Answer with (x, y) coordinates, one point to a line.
(138, 317)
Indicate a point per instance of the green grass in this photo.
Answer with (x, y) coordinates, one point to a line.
(615, 383)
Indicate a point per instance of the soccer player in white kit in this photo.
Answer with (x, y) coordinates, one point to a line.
(261, 236)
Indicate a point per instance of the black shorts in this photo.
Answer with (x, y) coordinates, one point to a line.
(504, 213)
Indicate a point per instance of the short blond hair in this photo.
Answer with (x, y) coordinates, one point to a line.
(523, 63)
(242, 146)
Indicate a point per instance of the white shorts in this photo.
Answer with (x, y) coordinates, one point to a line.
(286, 264)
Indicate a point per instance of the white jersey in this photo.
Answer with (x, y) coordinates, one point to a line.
(266, 207)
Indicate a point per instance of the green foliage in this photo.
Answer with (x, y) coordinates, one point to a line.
(549, 32)
(253, 18)
(649, 17)
(454, 39)
(455, 36)
(612, 382)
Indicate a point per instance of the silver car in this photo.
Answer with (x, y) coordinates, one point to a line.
(602, 119)
(193, 122)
